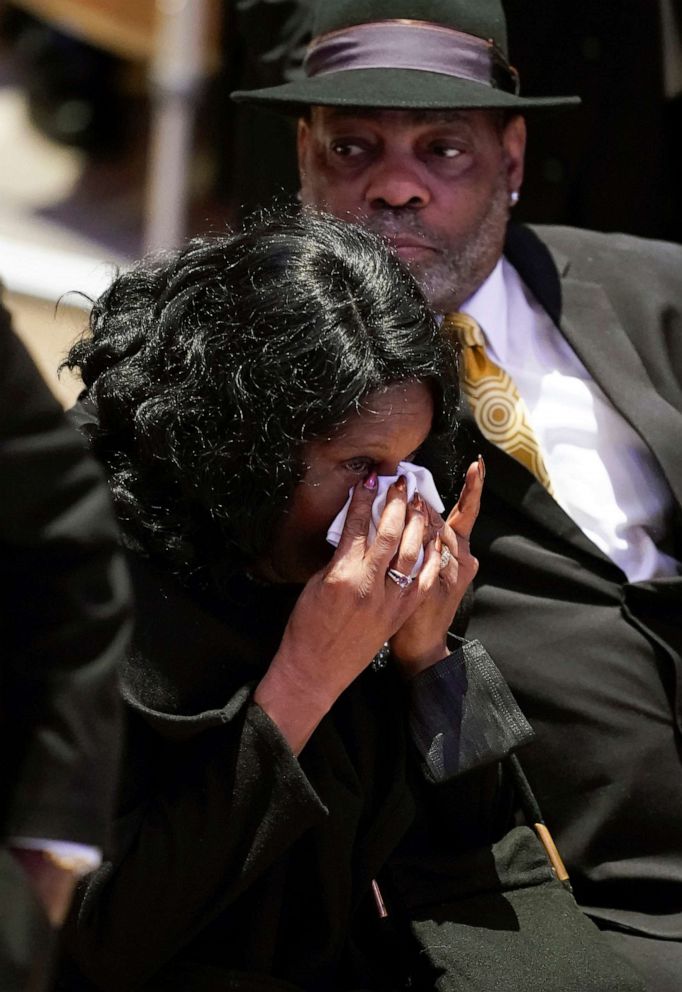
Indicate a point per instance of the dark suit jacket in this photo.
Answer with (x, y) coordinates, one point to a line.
(595, 661)
(63, 627)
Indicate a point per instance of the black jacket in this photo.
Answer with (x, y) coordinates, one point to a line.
(238, 866)
(594, 660)
(64, 623)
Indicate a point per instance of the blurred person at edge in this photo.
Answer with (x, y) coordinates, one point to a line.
(65, 623)
(305, 749)
(412, 122)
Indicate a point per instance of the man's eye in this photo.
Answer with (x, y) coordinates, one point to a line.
(446, 151)
(346, 149)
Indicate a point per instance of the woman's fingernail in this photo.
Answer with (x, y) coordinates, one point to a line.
(401, 483)
(481, 468)
(418, 503)
(438, 543)
(371, 481)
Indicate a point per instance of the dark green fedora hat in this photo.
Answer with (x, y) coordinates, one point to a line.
(405, 54)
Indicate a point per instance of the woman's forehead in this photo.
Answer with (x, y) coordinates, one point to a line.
(397, 400)
(401, 408)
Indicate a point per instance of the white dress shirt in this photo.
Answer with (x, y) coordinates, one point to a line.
(603, 475)
(83, 857)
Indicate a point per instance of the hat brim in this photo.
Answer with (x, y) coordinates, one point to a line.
(393, 89)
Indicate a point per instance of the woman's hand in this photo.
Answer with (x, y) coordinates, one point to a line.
(421, 641)
(346, 612)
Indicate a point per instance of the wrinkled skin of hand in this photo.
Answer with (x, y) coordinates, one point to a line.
(421, 640)
(349, 609)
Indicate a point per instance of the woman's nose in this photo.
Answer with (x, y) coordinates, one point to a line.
(389, 468)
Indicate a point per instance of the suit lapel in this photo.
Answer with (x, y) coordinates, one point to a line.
(584, 314)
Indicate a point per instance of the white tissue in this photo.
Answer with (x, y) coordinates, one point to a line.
(418, 479)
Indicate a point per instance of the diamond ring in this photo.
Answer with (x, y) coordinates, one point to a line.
(400, 578)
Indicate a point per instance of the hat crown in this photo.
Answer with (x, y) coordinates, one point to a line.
(482, 18)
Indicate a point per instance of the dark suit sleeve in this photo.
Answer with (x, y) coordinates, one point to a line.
(65, 616)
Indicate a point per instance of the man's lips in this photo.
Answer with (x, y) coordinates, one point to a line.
(407, 244)
(409, 248)
(413, 252)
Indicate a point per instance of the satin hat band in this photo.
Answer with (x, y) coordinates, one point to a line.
(410, 44)
(404, 55)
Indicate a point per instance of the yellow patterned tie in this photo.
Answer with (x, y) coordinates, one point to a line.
(499, 410)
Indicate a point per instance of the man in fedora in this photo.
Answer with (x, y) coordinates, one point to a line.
(412, 121)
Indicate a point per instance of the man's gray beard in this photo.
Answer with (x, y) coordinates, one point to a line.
(461, 268)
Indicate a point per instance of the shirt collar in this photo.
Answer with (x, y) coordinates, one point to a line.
(488, 307)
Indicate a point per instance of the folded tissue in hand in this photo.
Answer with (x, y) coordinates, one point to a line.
(418, 479)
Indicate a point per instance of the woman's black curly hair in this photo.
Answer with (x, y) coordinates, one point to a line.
(211, 368)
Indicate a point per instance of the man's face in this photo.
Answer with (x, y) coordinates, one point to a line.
(435, 183)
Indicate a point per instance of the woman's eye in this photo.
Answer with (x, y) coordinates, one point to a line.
(360, 466)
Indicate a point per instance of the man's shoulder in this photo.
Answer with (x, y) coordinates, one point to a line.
(622, 263)
(585, 248)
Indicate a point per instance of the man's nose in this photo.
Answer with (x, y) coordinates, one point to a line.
(394, 184)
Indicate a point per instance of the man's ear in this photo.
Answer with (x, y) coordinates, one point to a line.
(302, 145)
(514, 145)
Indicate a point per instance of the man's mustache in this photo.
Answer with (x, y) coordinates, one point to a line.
(393, 224)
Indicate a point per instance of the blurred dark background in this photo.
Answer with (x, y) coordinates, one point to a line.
(615, 163)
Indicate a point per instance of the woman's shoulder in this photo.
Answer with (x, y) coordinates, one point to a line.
(184, 659)
(192, 655)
